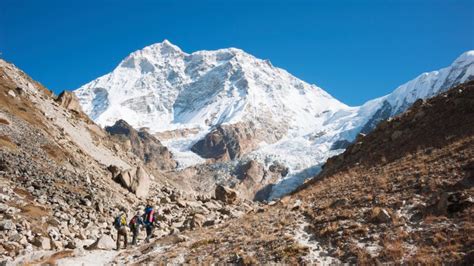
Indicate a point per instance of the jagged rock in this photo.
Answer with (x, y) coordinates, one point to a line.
(104, 242)
(72, 244)
(7, 225)
(181, 203)
(380, 215)
(197, 221)
(42, 242)
(3, 208)
(54, 233)
(12, 247)
(136, 180)
(227, 142)
(57, 245)
(69, 101)
(254, 171)
(279, 168)
(225, 194)
(212, 205)
(150, 150)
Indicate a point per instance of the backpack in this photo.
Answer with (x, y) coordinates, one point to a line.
(133, 223)
(120, 221)
(149, 216)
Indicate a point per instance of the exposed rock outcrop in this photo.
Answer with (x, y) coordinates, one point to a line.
(69, 101)
(231, 141)
(225, 194)
(144, 145)
(136, 180)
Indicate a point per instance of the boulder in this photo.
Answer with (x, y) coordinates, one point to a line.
(197, 220)
(225, 194)
(42, 242)
(3, 208)
(7, 225)
(136, 180)
(380, 215)
(69, 101)
(104, 242)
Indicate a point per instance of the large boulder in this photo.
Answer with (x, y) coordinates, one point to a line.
(69, 101)
(226, 194)
(42, 242)
(136, 180)
(104, 242)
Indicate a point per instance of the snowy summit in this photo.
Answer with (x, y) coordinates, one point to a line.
(167, 90)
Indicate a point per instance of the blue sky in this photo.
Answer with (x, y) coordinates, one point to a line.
(355, 50)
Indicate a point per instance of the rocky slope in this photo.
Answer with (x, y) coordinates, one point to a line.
(63, 178)
(371, 204)
(212, 107)
(144, 145)
(403, 193)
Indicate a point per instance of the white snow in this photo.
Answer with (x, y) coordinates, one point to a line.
(164, 88)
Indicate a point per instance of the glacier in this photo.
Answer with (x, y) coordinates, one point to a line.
(164, 89)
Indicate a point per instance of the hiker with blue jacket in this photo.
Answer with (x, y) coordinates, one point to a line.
(148, 220)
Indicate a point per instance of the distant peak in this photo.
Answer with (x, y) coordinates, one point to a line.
(167, 43)
(466, 57)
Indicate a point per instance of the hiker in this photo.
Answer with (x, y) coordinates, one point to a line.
(134, 225)
(148, 218)
(120, 223)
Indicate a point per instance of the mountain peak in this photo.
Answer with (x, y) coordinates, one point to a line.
(165, 44)
(465, 58)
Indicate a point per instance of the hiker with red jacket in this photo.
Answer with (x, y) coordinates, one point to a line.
(134, 225)
(148, 220)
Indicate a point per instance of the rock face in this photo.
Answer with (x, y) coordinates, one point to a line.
(415, 129)
(244, 106)
(136, 180)
(69, 101)
(56, 189)
(226, 194)
(226, 142)
(144, 145)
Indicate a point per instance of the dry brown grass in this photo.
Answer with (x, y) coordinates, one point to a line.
(55, 152)
(5, 142)
(203, 242)
(52, 260)
(295, 250)
(393, 250)
(4, 121)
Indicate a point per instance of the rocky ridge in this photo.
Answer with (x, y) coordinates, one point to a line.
(58, 194)
(414, 206)
(226, 106)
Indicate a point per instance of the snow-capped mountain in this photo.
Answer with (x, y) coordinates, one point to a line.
(424, 86)
(299, 125)
(163, 88)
